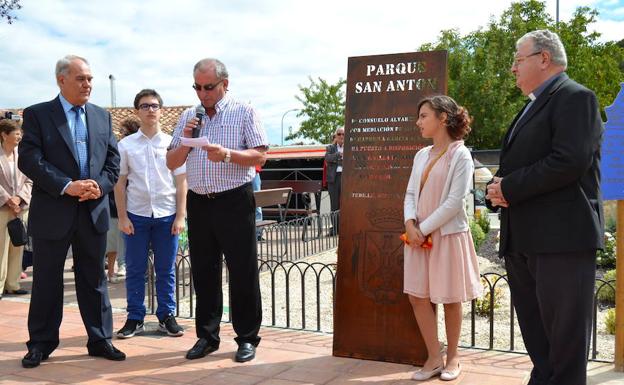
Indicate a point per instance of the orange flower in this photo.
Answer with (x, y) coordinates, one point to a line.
(427, 244)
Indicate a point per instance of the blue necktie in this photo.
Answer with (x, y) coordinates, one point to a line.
(80, 137)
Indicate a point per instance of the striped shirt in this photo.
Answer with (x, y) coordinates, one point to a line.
(235, 126)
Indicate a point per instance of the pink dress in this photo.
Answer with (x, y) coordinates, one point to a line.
(449, 271)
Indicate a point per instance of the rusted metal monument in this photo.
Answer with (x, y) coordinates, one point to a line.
(373, 318)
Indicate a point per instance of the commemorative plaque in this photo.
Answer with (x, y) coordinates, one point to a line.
(373, 318)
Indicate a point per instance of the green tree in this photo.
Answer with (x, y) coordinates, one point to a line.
(324, 107)
(479, 65)
(8, 6)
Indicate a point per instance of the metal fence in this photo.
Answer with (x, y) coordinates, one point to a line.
(300, 294)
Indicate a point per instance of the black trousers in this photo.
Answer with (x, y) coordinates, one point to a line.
(553, 296)
(46, 303)
(334, 198)
(225, 226)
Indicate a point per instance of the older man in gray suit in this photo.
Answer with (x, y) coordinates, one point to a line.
(70, 153)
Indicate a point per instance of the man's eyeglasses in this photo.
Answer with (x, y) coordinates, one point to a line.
(147, 107)
(519, 59)
(206, 87)
(340, 134)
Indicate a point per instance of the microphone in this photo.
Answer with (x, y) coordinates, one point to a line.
(200, 111)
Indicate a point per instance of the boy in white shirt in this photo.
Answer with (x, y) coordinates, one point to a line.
(151, 205)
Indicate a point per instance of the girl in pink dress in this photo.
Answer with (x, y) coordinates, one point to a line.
(446, 273)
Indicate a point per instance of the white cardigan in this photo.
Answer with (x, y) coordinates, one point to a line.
(450, 217)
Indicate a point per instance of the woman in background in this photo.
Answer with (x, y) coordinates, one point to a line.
(15, 190)
(115, 247)
(445, 270)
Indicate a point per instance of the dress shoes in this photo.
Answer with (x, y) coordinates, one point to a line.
(201, 348)
(106, 350)
(33, 358)
(246, 352)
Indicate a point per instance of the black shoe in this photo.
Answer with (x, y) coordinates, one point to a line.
(246, 352)
(130, 329)
(33, 358)
(171, 327)
(201, 348)
(16, 292)
(107, 350)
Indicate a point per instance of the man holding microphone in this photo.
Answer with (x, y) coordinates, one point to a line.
(221, 208)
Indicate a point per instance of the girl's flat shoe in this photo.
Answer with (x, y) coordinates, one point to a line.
(450, 375)
(423, 375)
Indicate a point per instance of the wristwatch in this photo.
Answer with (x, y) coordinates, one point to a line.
(228, 156)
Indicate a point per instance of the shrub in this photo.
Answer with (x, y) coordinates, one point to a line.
(610, 321)
(482, 305)
(606, 294)
(183, 240)
(610, 224)
(478, 236)
(606, 258)
(482, 219)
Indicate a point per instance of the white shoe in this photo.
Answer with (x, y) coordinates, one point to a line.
(423, 375)
(112, 279)
(121, 271)
(450, 375)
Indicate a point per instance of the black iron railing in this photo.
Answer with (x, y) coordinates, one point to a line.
(300, 294)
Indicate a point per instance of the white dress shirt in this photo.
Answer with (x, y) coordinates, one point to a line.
(341, 151)
(151, 186)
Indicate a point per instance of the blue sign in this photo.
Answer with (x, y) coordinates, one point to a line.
(612, 164)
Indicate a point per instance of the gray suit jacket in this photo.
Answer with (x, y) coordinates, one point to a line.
(47, 155)
(551, 174)
(333, 159)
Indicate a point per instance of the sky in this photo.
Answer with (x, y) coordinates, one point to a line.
(269, 46)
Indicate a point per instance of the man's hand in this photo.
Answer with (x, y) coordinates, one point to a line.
(125, 225)
(178, 225)
(216, 152)
(84, 189)
(495, 193)
(187, 132)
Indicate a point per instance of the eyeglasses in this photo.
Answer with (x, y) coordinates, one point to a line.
(519, 59)
(146, 107)
(206, 87)
(340, 134)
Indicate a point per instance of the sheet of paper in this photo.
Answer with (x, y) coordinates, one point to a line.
(195, 142)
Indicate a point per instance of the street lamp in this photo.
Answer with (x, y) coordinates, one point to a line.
(283, 116)
(112, 89)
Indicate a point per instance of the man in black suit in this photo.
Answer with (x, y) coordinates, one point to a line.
(548, 186)
(333, 159)
(70, 153)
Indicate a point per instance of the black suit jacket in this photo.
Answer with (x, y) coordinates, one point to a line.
(47, 156)
(333, 159)
(551, 174)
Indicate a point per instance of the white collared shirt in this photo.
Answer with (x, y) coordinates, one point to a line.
(151, 187)
(235, 126)
(340, 150)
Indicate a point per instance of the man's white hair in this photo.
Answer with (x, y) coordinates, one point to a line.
(545, 40)
(62, 66)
